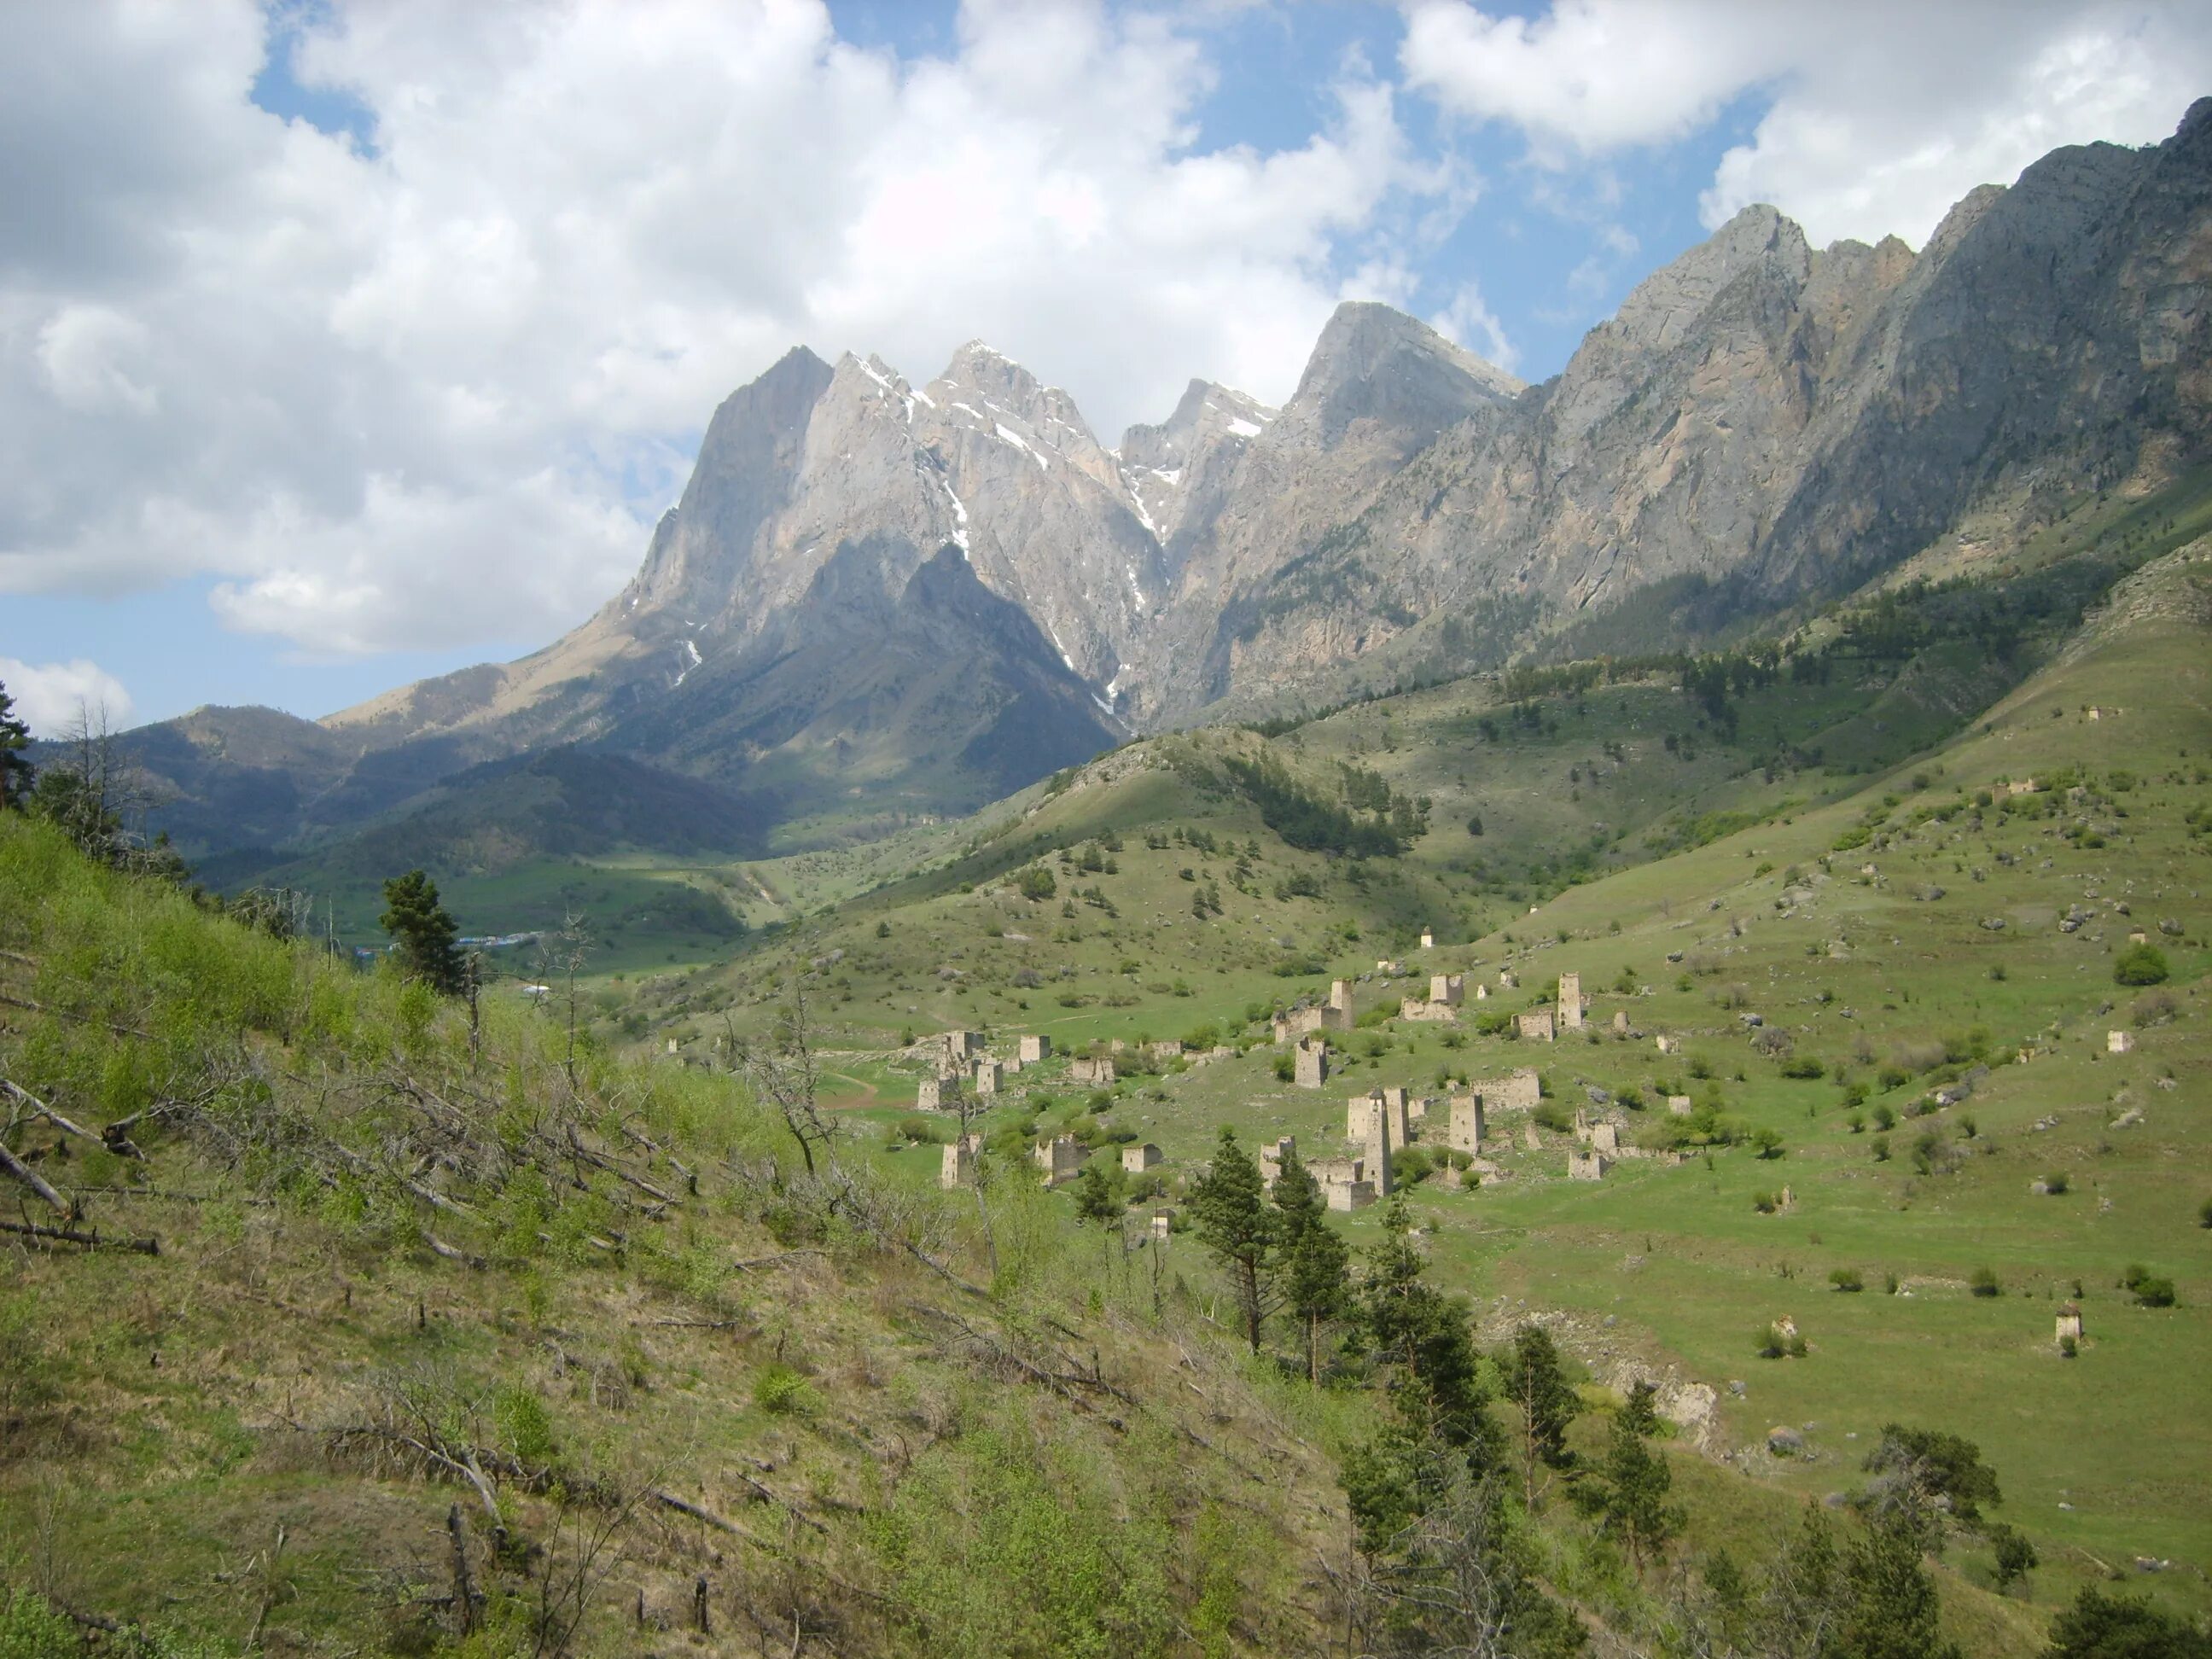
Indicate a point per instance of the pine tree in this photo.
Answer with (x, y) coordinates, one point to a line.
(1423, 1333)
(1538, 1384)
(425, 933)
(2100, 1626)
(1096, 1201)
(1638, 1479)
(16, 773)
(1229, 1207)
(1893, 1605)
(1314, 1261)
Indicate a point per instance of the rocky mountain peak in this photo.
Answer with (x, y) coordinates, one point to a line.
(1376, 365)
(1161, 464)
(1665, 305)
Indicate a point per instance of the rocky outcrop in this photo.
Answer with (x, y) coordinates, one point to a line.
(1761, 420)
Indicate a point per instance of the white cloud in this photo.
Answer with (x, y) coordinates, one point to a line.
(1469, 321)
(50, 695)
(1878, 115)
(431, 389)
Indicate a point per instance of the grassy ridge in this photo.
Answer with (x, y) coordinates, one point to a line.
(400, 1273)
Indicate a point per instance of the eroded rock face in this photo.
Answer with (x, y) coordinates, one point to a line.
(1761, 420)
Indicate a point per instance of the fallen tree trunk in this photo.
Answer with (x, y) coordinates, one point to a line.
(74, 1236)
(38, 1183)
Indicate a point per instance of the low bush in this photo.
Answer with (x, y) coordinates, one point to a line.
(1847, 1278)
(2141, 964)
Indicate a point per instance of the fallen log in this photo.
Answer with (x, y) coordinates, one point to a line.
(38, 1183)
(76, 1236)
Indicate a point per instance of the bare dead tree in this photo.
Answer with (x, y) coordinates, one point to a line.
(970, 1108)
(782, 1070)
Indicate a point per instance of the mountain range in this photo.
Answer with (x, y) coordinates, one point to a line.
(878, 600)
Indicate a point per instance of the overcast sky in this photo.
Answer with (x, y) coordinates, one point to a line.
(340, 343)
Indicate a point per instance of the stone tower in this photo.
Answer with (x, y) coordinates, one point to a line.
(1571, 1002)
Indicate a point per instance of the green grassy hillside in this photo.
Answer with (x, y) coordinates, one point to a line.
(305, 1270)
(1890, 912)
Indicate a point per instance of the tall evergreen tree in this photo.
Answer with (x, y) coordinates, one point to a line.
(1893, 1602)
(16, 772)
(1638, 1479)
(1095, 1201)
(1314, 1260)
(1423, 1334)
(424, 931)
(2101, 1626)
(1537, 1383)
(1229, 1208)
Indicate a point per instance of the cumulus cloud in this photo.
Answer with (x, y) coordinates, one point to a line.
(1469, 321)
(1877, 117)
(430, 388)
(49, 697)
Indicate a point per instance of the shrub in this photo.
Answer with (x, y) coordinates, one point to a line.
(1847, 1278)
(2152, 1008)
(2054, 1182)
(1985, 1283)
(1881, 1145)
(2067, 1347)
(1804, 1066)
(2150, 1290)
(2141, 964)
(1037, 883)
(782, 1391)
(1885, 1116)
(1768, 1142)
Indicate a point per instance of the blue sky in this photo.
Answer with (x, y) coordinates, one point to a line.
(363, 344)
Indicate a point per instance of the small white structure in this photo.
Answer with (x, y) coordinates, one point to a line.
(1587, 1166)
(1137, 1159)
(1536, 1026)
(2120, 1042)
(1679, 1105)
(1428, 939)
(1035, 1048)
(989, 1074)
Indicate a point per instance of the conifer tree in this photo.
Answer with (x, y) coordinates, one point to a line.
(424, 933)
(1537, 1381)
(1638, 1479)
(15, 771)
(1892, 1607)
(1095, 1201)
(1422, 1334)
(1228, 1206)
(1314, 1260)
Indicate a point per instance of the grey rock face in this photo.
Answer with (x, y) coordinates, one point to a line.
(1760, 420)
